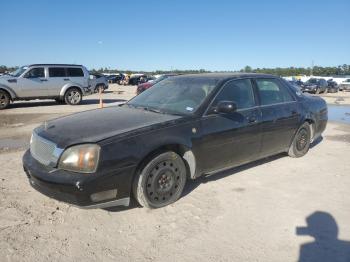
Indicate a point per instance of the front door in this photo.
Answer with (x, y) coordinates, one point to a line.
(231, 139)
(33, 83)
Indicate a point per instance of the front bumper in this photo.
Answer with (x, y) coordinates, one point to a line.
(80, 189)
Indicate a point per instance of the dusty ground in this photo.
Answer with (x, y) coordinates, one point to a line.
(339, 98)
(245, 214)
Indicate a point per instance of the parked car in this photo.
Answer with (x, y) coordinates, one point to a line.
(142, 87)
(332, 86)
(315, 85)
(181, 128)
(62, 82)
(98, 81)
(345, 85)
(115, 79)
(137, 79)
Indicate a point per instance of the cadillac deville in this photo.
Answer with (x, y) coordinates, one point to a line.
(181, 128)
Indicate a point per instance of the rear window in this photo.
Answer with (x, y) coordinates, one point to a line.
(57, 72)
(75, 72)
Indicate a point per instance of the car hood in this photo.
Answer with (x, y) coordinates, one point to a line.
(96, 125)
(4, 78)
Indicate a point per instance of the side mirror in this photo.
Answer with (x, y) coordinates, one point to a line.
(226, 107)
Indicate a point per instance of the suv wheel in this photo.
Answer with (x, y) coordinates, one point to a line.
(4, 99)
(73, 96)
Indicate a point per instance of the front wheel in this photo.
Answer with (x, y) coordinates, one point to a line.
(301, 142)
(161, 181)
(4, 99)
(73, 96)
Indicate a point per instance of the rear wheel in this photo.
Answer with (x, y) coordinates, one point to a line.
(4, 99)
(301, 142)
(161, 181)
(73, 96)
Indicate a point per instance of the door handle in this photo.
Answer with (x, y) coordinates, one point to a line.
(43, 80)
(66, 79)
(294, 112)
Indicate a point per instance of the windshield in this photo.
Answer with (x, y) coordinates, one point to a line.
(312, 81)
(19, 71)
(175, 95)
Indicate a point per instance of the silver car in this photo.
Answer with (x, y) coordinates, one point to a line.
(62, 82)
(345, 85)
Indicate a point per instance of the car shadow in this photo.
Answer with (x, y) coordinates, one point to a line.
(191, 185)
(326, 246)
(316, 142)
(133, 204)
(54, 103)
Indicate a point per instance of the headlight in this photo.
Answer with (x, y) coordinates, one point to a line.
(82, 158)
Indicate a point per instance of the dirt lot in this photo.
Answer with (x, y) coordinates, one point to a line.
(249, 213)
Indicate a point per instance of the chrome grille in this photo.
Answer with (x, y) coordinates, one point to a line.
(42, 150)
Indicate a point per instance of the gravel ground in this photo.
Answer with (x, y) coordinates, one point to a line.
(249, 213)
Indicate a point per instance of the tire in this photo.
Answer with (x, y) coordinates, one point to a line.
(317, 91)
(73, 96)
(4, 99)
(98, 87)
(301, 142)
(161, 181)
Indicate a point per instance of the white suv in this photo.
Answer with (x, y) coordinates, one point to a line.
(62, 82)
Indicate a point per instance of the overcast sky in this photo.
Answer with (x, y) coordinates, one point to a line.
(150, 35)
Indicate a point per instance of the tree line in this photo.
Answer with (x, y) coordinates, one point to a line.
(340, 70)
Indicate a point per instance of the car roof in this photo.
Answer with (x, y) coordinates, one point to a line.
(52, 65)
(224, 76)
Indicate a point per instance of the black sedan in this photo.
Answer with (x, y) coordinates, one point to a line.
(181, 128)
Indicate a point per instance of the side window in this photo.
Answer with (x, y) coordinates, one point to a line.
(239, 91)
(57, 72)
(35, 73)
(75, 72)
(272, 92)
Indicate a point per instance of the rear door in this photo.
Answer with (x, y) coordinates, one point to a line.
(33, 83)
(280, 115)
(230, 139)
(57, 79)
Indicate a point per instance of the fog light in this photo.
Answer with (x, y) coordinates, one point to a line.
(104, 195)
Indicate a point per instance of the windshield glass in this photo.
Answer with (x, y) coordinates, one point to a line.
(312, 81)
(175, 95)
(19, 71)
